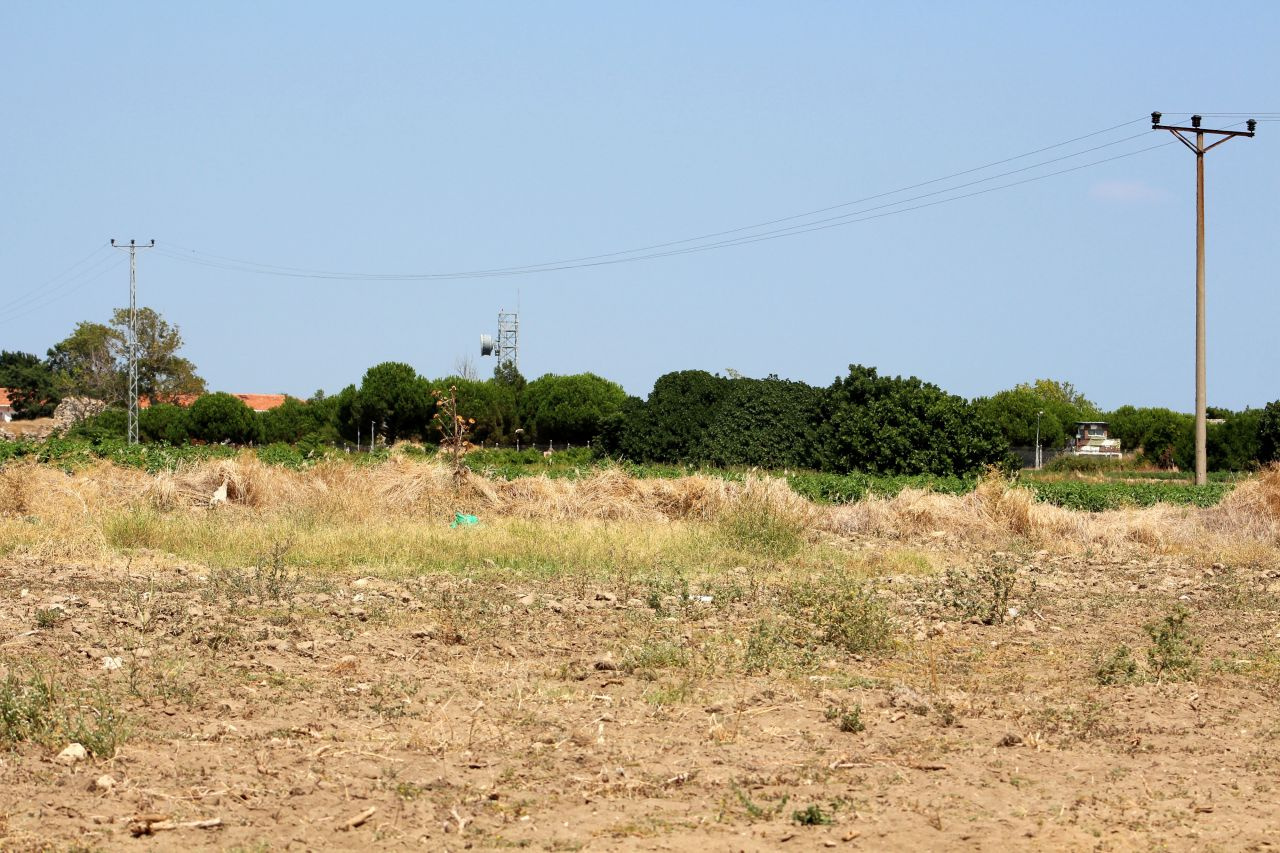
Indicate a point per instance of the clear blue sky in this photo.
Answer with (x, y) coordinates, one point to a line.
(431, 137)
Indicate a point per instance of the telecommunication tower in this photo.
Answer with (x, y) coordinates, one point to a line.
(505, 346)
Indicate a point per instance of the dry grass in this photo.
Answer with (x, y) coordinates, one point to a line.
(349, 508)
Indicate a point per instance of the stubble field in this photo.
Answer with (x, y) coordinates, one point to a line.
(320, 661)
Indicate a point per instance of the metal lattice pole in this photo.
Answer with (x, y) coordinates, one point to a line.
(133, 334)
(1200, 149)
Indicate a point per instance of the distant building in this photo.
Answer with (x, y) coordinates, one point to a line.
(257, 402)
(6, 406)
(1093, 438)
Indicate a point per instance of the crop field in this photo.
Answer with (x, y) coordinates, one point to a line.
(258, 651)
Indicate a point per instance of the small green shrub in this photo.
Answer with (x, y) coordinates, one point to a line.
(39, 709)
(843, 610)
(46, 619)
(1172, 656)
(812, 816)
(983, 594)
(1118, 669)
(846, 719)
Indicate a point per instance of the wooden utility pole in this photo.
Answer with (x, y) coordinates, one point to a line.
(133, 248)
(1200, 149)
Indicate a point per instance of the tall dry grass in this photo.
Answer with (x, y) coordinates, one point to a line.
(759, 513)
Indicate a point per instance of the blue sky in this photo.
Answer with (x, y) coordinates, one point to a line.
(429, 137)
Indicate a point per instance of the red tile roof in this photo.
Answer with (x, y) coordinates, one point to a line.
(257, 402)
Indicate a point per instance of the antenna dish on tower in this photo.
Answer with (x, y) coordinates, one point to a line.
(486, 344)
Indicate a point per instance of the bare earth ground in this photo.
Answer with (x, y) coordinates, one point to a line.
(485, 708)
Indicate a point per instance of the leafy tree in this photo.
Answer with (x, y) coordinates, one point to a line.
(1269, 433)
(904, 426)
(162, 373)
(30, 384)
(492, 405)
(506, 373)
(393, 398)
(1063, 394)
(108, 424)
(670, 425)
(1155, 432)
(767, 423)
(1015, 413)
(290, 422)
(222, 417)
(93, 361)
(85, 363)
(164, 422)
(569, 409)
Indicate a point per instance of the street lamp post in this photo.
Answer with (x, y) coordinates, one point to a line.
(1039, 415)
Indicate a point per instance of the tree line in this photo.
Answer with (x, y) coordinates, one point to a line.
(862, 421)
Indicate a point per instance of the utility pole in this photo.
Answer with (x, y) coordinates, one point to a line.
(133, 248)
(1200, 149)
(1039, 415)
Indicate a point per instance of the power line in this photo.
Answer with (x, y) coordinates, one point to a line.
(560, 264)
(232, 264)
(566, 262)
(39, 300)
(47, 286)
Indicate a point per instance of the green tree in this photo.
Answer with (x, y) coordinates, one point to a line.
(492, 405)
(1269, 433)
(85, 363)
(569, 409)
(1057, 393)
(904, 426)
(222, 417)
(1155, 432)
(30, 383)
(162, 373)
(392, 399)
(766, 423)
(291, 421)
(670, 425)
(1015, 413)
(164, 422)
(93, 361)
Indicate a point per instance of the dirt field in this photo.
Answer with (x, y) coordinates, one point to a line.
(731, 672)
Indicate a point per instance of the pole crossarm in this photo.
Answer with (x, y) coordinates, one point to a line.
(1174, 128)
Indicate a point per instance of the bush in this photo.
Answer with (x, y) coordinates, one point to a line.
(1172, 656)
(164, 422)
(904, 426)
(107, 424)
(569, 409)
(223, 417)
(844, 611)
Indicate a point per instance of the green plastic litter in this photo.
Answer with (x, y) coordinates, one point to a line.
(460, 519)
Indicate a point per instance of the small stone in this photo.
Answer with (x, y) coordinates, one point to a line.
(361, 583)
(605, 665)
(606, 596)
(104, 783)
(73, 753)
(1010, 739)
(360, 613)
(527, 600)
(110, 663)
